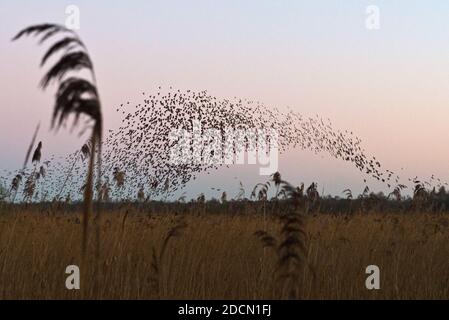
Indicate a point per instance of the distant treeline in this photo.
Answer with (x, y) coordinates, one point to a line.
(434, 201)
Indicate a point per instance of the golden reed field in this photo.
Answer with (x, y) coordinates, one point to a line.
(194, 255)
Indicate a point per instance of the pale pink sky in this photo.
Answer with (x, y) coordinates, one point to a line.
(390, 87)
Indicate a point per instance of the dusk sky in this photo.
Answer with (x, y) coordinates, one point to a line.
(389, 86)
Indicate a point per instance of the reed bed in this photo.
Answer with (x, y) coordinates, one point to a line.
(197, 256)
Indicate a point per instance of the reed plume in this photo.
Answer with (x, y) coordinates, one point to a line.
(30, 148)
(75, 96)
(292, 246)
(37, 153)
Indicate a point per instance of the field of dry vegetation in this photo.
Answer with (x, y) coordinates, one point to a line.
(151, 255)
(285, 242)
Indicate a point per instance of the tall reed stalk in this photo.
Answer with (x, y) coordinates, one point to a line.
(75, 96)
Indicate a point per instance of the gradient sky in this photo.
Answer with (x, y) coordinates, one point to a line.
(389, 86)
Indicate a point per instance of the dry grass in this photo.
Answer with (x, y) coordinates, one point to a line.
(219, 257)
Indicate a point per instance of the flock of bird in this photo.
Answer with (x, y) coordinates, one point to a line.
(136, 158)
